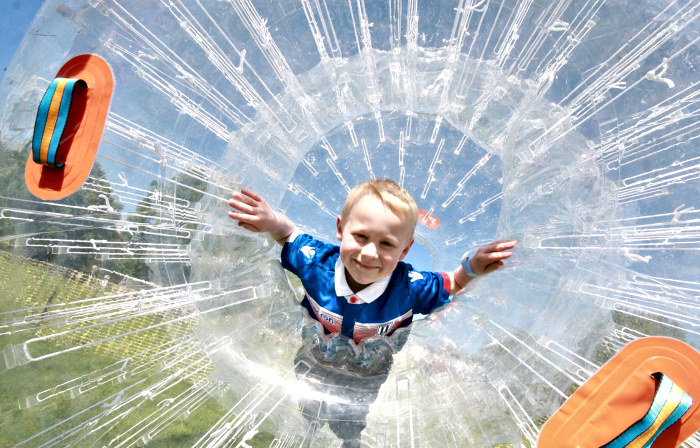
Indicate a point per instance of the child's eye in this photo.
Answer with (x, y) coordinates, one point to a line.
(360, 236)
(387, 244)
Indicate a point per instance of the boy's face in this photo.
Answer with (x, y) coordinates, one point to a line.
(373, 240)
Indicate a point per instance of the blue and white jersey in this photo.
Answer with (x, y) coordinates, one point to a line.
(379, 309)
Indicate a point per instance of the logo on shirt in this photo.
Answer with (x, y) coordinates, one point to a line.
(330, 320)
(326, 318)
(415, 276)
(384, 329)
(308, 251)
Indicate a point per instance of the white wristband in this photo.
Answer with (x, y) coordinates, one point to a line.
(467, 268)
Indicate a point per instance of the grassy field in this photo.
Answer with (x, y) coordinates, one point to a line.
(59, 394)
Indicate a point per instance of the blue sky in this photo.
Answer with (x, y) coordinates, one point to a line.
(419, 257)
(15, 17)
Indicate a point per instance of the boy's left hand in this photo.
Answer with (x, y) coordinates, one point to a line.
(490, 257)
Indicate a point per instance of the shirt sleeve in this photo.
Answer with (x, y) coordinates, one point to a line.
(429, 290)
(302, 252)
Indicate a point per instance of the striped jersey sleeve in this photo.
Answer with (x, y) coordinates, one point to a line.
(428, 290)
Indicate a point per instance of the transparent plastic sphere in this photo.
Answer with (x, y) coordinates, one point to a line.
(136, 312)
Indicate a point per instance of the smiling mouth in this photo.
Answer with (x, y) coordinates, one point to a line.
(365, 266)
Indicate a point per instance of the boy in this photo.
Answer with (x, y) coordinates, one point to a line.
(361, 289)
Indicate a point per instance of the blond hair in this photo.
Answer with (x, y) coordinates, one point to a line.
(392, 196)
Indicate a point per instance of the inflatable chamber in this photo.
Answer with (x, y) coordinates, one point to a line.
(135, 312)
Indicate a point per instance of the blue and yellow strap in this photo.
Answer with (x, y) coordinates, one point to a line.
(669, 405)
(51, 120)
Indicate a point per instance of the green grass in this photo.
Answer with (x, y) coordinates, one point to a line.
(28, 284)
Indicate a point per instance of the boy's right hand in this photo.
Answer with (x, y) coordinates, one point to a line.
(257, 216)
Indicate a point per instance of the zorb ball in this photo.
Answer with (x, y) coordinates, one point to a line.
(135, 312)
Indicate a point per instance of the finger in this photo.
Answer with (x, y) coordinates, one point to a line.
(245, 199)
(242, 217)
(493, 267)
(241, 206)
(244, 222)
(248, 227)
(251, 195)
(504, 244)
(499, 246)
(495, 256)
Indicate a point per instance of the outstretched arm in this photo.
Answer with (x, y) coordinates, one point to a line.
(258, 217)
(486, 260)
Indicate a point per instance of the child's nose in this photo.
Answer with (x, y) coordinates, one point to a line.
(370, 250)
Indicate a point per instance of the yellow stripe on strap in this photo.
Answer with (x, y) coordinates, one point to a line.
(674, 399)
(52, 118)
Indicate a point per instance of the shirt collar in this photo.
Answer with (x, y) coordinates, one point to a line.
(367, 295)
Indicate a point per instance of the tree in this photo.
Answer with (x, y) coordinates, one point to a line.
(41, 222)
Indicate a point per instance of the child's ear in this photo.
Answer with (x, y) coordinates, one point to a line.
(339, 230)
(405, 251)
